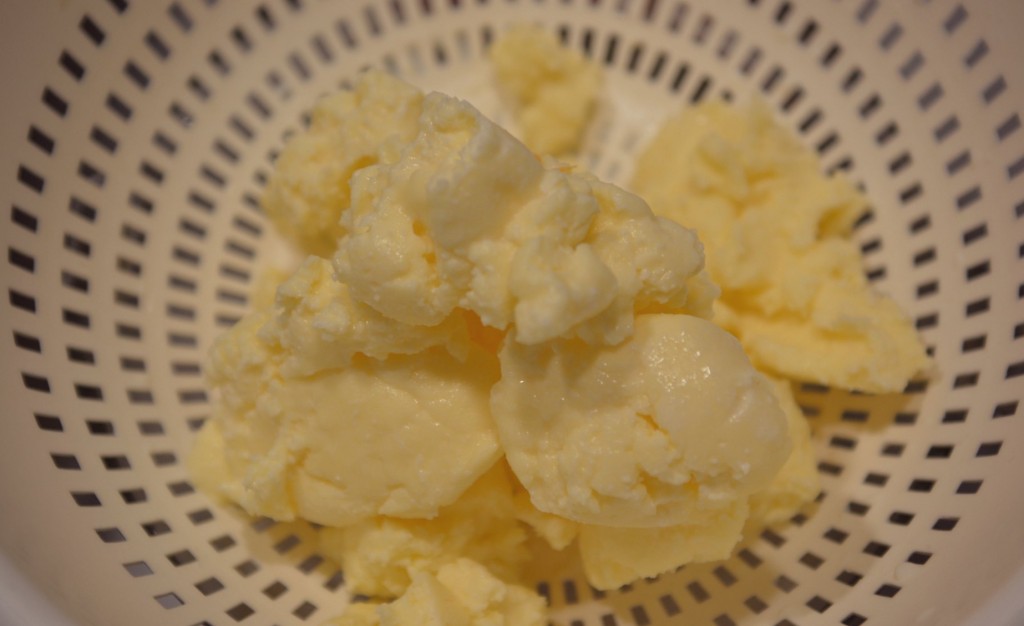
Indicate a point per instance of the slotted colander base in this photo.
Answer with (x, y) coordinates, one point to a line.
(140, 134)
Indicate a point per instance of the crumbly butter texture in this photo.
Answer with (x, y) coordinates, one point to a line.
(776, 236)
(613, 557)
(381, 556)
(553, 89)
(319, 325)
(666, 428)
(310, 185)
(399, 434)
(468, 218)
(461, 593)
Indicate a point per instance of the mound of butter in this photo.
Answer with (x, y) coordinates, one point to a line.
(461, 593)
(552, 90)
(663, 429)
(468, 301)
(776, 233)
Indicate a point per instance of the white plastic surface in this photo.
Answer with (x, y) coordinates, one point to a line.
(22, 602)
(137, 136)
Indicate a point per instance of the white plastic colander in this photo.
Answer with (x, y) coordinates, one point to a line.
(137, 135)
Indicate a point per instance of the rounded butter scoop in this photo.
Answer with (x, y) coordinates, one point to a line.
(669, 427)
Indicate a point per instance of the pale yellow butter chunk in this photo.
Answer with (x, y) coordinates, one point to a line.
(797, 483)
(854, 339)
(264, 288)
(775, 231)
(468, 218)
(357, 614)
(402, 435)
(309, 188)
(461, 593)
(558, 532)
(650, 433)
(381, 556)
(318, 325)
(613, 557)
(490, 600)
(412, 223)
(426, 603)
(553, 89)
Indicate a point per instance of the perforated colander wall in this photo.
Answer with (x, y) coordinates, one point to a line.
(138, 136)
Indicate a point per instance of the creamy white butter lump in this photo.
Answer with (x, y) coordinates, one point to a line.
(667, 427)
(467, 217)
